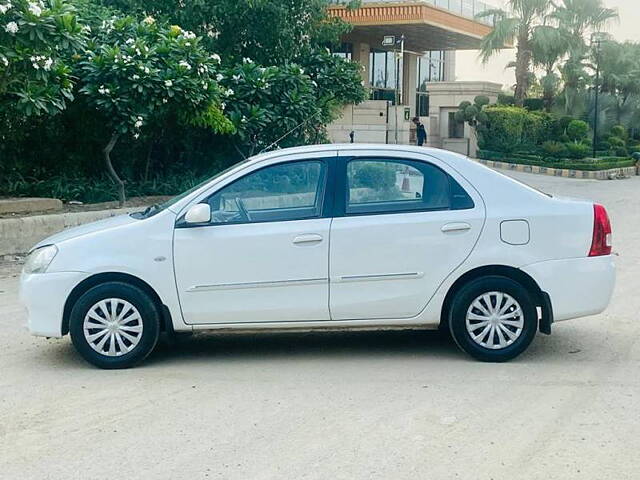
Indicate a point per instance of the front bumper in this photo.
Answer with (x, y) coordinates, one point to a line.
(44, 296)
(578, 287)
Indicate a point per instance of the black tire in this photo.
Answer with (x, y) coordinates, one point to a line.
(468, 294)
(150, 319)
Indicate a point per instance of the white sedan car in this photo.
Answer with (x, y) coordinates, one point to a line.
(332, 236)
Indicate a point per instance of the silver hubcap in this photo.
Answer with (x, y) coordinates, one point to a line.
(113, 327)
(494, 320)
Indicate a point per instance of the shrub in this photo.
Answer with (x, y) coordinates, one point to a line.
(615, 142)
(554, 149)
(577, 130)
(534, 104)
(619, 131)
(619, 152)
(577, 150)
(504, 99)
(511, 128)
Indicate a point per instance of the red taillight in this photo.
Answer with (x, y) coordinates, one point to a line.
(601, 244)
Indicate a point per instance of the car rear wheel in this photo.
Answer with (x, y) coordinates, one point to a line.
(114, 325)
(493, 319)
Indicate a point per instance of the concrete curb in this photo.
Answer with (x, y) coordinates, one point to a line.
(560, 172)
(18, 235)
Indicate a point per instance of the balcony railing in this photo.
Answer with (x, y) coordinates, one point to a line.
(464, 8)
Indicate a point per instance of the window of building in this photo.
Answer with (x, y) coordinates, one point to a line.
(384, 74)
(422, 104)
(430, 69)
(345, 50)
(456, 128)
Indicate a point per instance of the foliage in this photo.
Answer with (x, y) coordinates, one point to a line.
(37, 42)
(93, 190)
(278, 97)
(510, 128)
(578, 150)
(268, 32)
(152, 92)
(554, 149)
(515, 25)
(588, 164)
(136, 73)
(577, 130)
(373, 175)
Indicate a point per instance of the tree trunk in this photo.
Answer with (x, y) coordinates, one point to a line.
(112, 173)
(147, 165)
(548, 93)
(523, 63)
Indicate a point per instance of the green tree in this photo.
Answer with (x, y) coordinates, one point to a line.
(549, 45)
(136, 74)
(620, 76)
(579, 18)
(515, 26)
(269, 32)
(37, 42)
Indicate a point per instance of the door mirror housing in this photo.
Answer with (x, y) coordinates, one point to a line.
(198, 214)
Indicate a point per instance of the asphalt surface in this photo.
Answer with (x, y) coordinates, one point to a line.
(383, 405)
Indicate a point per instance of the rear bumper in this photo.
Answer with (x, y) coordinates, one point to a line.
(577, 287)
(44, 295)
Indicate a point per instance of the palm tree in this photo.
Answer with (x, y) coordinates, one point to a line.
(579, 18)
(515, 26)
(549, 44)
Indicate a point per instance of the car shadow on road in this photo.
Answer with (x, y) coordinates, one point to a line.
(329, 345)
(335, 345)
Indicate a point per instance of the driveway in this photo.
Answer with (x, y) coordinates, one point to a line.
(383, 405)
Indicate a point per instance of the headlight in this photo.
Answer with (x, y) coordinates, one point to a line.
(39, 260)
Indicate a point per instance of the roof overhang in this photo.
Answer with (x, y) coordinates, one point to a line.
(424, 26)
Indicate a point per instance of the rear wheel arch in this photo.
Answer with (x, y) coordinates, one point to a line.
(540, 298)
(97, 279)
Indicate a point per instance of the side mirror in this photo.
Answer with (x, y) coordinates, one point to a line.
(198, 214)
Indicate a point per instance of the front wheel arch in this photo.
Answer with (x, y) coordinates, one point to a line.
(540, 298)
(97, 279)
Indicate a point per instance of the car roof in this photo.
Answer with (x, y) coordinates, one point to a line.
(339, 147)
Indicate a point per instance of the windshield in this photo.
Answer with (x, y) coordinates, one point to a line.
(157, 208)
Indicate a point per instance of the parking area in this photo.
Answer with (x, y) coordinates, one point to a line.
(375, 405)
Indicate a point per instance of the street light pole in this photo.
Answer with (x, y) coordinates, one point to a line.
(388, 41)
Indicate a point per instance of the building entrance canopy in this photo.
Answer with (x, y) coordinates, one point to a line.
(426, 24)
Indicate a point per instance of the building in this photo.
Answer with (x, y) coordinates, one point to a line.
(413, 77)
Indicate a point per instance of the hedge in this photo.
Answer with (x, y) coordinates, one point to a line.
(589, 164)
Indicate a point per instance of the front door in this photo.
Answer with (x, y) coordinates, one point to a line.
(264, 256)
(402, 227)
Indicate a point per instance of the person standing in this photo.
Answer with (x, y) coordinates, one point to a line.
(421, 132)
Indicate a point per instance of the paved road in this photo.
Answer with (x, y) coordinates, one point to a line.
(337, 406)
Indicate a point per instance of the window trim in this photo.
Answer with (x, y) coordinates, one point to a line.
(325, 192)
(341, 185)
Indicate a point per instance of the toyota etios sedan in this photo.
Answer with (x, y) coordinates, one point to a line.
(333, 236)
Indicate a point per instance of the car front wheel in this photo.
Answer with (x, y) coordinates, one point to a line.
(114, 325)
(493, 319)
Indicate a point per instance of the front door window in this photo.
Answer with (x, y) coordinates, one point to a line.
(283, 192)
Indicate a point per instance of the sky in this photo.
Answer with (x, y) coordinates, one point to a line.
(468, 67)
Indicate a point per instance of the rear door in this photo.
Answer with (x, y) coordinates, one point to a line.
(403, 224)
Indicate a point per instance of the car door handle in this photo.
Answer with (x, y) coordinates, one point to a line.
(306, 239)
(456, 227)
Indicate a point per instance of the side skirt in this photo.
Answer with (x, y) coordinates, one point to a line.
(380, 324)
